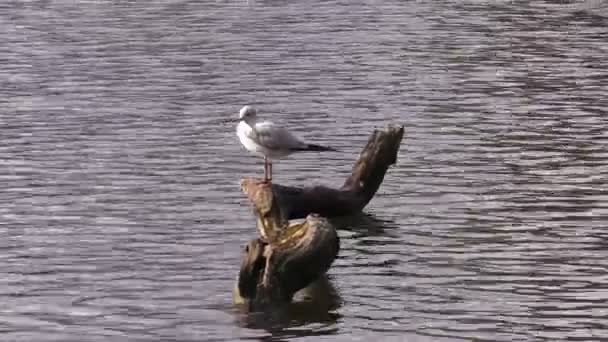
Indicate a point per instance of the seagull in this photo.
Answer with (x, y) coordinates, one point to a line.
(269, 140)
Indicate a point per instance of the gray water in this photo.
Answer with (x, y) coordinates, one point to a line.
(121, 217)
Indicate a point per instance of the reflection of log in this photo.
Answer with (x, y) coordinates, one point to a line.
(358, 189)
(287, 258)
(313, 304)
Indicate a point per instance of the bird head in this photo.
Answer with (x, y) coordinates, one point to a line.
(247, 114)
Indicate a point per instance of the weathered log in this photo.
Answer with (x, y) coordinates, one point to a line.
(287, 258)
(358, 189)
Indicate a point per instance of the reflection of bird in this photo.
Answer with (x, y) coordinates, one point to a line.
(269, 140)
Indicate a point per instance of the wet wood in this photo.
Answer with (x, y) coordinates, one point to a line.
(287, 257)
(368, 172)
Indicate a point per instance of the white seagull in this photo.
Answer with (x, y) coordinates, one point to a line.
(269, 140)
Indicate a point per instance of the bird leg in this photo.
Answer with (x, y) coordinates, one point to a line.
(269, 170)
(265, 169)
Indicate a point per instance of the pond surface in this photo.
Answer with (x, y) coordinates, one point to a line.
(121, 217)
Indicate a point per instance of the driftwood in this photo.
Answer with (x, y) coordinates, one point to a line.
(358, 189)
(287, 258)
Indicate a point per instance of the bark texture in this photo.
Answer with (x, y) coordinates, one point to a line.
(368, 172)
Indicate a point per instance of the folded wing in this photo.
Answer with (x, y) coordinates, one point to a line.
(275, 137)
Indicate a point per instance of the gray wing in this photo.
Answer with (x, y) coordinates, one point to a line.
(276, 137)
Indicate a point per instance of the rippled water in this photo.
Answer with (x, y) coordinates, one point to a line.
(120, 212)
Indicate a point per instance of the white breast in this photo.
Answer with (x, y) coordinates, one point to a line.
(244, 131)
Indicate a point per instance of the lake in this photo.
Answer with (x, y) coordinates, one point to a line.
(121, 217)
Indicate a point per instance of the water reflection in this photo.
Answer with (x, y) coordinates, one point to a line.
(312, 313)
(363, 225)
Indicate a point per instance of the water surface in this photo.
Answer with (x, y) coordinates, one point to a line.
(120, 212)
